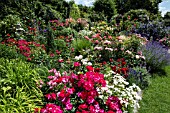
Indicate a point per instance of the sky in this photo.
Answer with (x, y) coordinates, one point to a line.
(163, 6)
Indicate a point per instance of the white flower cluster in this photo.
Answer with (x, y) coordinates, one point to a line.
(107, 42)
(98, 48)
(140, 56)
(85, 32)
(78, 57)
(84, 61)
(118, 86)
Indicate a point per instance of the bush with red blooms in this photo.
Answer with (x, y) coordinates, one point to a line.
(120, 67)
(76, 93)
(29, 49)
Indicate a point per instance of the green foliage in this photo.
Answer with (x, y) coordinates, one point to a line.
(21, 101)
(8, 52)
(18, 90)
(50, 39)
(95, 17)
(16, 72)
(75, 12)
(80, 44)
(68, 32)
(107, 7)
(7, 25)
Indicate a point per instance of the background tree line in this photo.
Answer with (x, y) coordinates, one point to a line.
(61, 9)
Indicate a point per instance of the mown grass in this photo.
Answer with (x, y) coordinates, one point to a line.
(156, 98)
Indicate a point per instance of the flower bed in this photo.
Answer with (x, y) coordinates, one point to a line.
(89, 70)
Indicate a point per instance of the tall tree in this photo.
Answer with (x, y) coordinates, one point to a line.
(105, 6)
(167, 19)
(124, 6)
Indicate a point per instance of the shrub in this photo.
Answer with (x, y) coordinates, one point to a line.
(153, 30)
(9, 52)
(156, 56)
(80, 44)
(140, 76)
(140, 14)
(18, 92)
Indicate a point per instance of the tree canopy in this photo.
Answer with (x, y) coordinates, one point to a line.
(107, 7)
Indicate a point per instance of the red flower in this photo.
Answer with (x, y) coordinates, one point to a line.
(111, 60)
(113, 68)
(61, 94)
(97, 70)
(124, 70)
(104, 63)
(111, 111)
(8, 35)
(123, 63)
(88, 85)
(118, 71)
(82, 106)
(89, 68)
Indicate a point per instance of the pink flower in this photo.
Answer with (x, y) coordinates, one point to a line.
(69, 106)
(92, 109)
(70, 90)
(29, 59)
(77, 64)
(58, 52)
(86, 37)
(48, 96)
(53, 96)
(60, 60)
(52, 108)
(88, 85)
(96, 42)
(65, 79)
(52, 55)
(90, 100)
(52, 70)
(72, 49)
(110, 37)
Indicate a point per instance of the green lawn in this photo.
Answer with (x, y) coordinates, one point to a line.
(156, 99)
